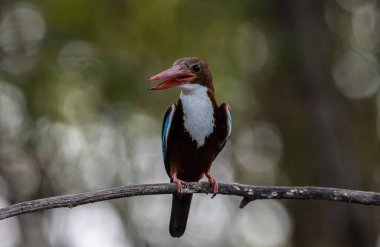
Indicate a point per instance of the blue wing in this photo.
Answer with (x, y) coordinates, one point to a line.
(229, 121)
(226, 125)
(165, 135)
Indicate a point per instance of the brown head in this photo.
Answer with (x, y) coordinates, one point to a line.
(186, 70)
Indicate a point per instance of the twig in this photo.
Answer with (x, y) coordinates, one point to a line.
(248, 192)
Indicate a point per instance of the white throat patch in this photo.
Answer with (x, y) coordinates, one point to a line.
(198, 112)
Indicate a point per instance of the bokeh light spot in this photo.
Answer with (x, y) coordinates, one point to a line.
(251, 48)
(94, 225)
(12, 112)
(78, 57)
(21, 31)
(260, 148)
(365, 26)
(352, 5)
(267, 224)
(356, 75)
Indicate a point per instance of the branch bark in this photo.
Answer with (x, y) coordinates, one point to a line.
(248, 192)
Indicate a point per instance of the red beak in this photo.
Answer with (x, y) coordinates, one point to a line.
(173, 76)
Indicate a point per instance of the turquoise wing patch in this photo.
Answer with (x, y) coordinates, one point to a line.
(227, 128)
(229, 122)
(166, 130)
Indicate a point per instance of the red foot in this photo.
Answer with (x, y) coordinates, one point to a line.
(213, 181)
(179, 183)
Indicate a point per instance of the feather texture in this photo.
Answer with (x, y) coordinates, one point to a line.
(198, 112)
(166, 126)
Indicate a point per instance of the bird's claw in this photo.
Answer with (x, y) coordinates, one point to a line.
(180, 183)
(213, 182)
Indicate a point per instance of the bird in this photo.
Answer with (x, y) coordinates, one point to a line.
(194, 132)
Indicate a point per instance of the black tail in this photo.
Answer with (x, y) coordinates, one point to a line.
(180, 211)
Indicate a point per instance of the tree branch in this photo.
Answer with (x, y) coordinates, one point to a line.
(248, 192)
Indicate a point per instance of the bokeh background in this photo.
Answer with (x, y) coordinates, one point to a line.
(302, 78)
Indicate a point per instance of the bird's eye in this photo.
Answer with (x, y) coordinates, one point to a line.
(195, 68)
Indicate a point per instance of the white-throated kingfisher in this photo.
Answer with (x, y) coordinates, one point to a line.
(194, 132)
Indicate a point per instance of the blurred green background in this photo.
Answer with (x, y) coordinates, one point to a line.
(302, 78)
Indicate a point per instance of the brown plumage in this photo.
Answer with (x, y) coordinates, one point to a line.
(186, 157)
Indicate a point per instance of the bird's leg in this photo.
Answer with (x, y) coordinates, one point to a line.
(179, 183)
(213, 181)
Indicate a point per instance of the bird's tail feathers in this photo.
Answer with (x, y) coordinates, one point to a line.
(180, 212)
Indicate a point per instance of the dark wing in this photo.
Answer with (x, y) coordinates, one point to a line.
(165, 135)
(225, 126)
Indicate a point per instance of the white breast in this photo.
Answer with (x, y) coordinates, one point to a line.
(198, 112)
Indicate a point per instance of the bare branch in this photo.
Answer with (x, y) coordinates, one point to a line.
(248, 192)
